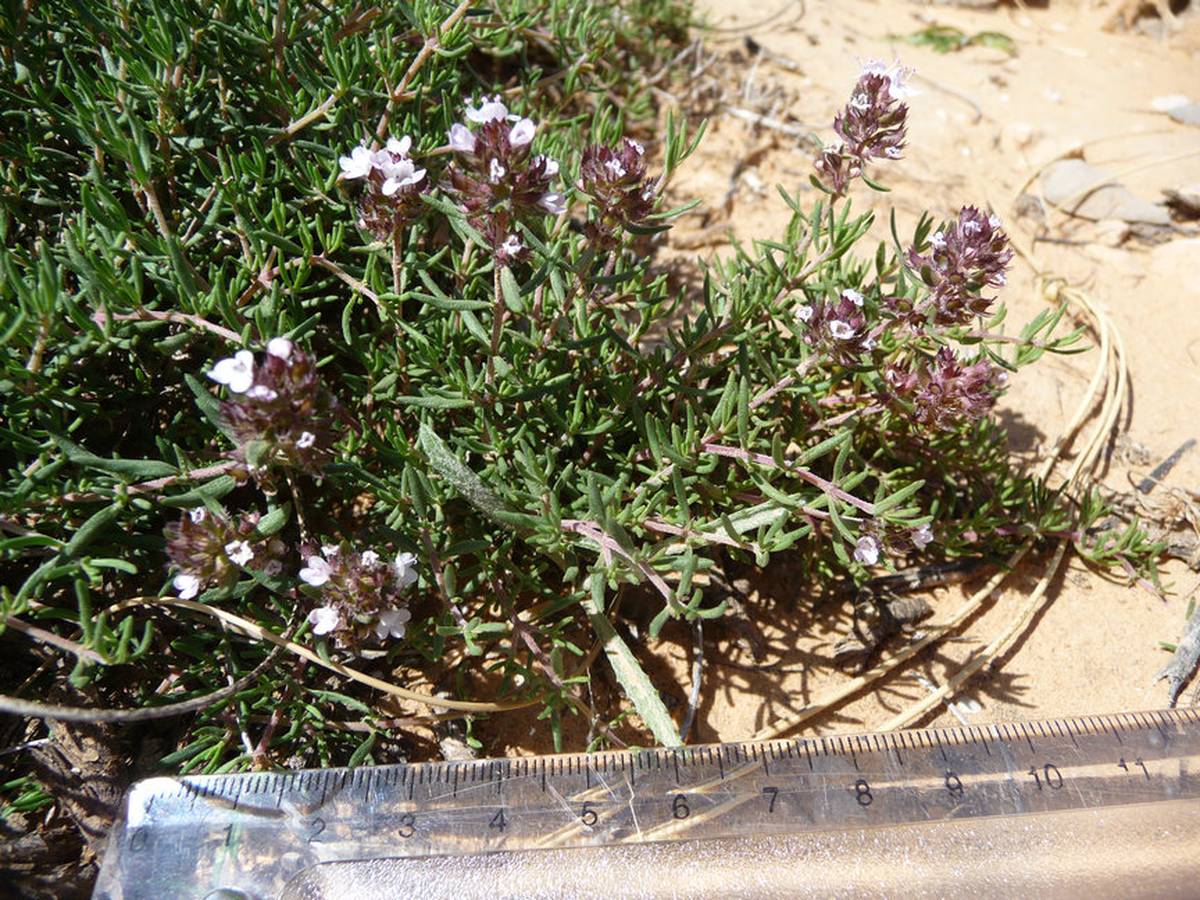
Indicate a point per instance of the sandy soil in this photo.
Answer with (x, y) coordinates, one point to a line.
(984, 122)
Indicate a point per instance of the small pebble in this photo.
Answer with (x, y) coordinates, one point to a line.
(1168, 102)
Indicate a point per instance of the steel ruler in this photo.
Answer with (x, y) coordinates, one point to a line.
(510, 827)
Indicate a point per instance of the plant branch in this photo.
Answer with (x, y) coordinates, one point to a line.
(432, 43)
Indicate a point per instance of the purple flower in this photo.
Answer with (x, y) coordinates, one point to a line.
(836, 329)
(871, 126)
(866, 550)
(897, 75)
(360, 599)
(284, 418)
(614, 179)
(922, 537)
(497, 181)
(392, 186)
(511, 250)
(945, 394)
(962, 261)
(209, 550)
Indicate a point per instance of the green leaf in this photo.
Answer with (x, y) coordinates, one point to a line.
(210, 490)
(511, 291)
(436, 402)
(361, 751)
(633, 678)
(893, 500)
(208, 404)
(90, 530)
(464, 481)
(136, 469)
(273, 522)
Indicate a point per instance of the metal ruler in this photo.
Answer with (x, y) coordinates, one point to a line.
(510, 827)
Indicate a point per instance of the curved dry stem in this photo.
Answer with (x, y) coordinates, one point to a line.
(835, 696)
(1106, 391)
(34, 710)
(257, 632)
(1015, 627)
(1112, 374)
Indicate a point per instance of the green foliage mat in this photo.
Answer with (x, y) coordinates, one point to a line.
(527, 432)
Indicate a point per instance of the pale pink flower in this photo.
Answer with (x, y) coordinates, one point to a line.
(316, 572)
(866, 550)
(522, 133)
(922, 537)
(405, 567)
(392, 623)
(490, 109)
(235, 372)
(239, 552)
(555, 204)
(841, 330)
(324, 619)
(461, 138)
(187, 585)
(280, 347)
(358, 164)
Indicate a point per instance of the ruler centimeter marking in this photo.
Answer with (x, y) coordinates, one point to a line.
(186, 837)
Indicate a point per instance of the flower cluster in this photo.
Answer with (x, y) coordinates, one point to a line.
(208, 550)
(278, 411)
(871, 125)
(497, 179)
(838, 329)
(615, 181)
(948, 393)
(877, 543)
(967, 257)
(393, 186)
(359, 593)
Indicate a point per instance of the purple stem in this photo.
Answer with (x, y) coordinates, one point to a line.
(803, 474)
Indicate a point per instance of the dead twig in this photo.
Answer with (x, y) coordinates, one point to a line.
(101, 317)
(54, 640)
(432, 43)
(762, 121)
(30, 709)
(754, 26)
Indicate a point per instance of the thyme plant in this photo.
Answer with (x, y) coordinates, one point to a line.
(337, 326)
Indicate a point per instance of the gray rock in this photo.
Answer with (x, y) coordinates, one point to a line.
(1188, 114)
(1069, 183)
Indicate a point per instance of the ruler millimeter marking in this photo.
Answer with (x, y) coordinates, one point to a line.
(189, 837)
